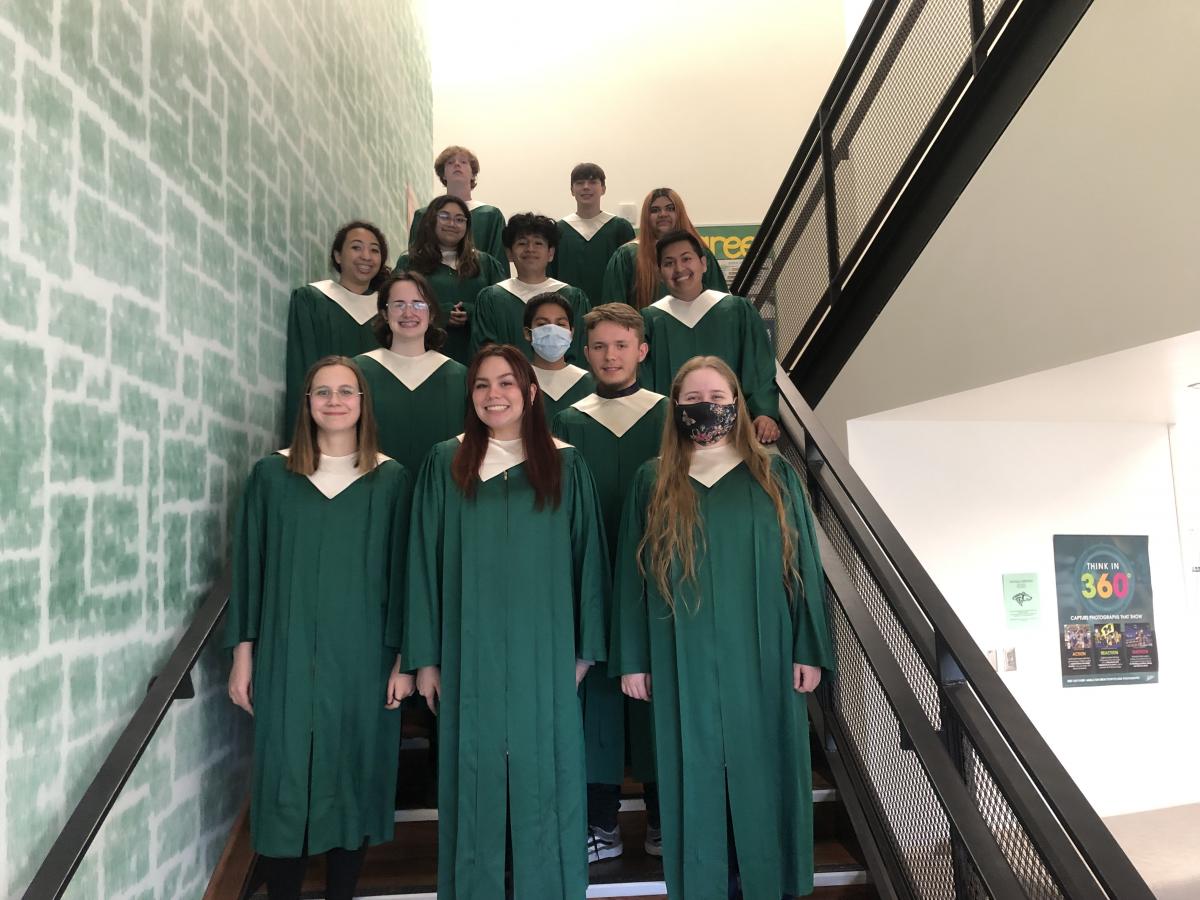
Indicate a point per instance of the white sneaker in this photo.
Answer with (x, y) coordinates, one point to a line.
(653, 841)
(603, 844)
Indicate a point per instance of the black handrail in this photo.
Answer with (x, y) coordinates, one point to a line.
(1075, 844)
(72, 843)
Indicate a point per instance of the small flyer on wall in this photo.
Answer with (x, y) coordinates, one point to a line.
(1022, 599)
(1105, 609)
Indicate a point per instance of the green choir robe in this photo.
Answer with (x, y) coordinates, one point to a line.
(487, 225)
(562, 387)
(450, 289)
(314, 579)
(500, 311)
(726, 717)
(505, 599)
(584, 248)
(614, 436)
(324, 319)
(714, 324)
(419, 401)
(621, 273)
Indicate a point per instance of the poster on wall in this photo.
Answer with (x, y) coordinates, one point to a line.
(1022, 598)
(1105, 609)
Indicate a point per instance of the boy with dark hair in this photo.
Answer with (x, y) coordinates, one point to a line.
(615, 429)
(589, 236)
(692, 321)
(529, 241)
(458, 169)
(549, 328)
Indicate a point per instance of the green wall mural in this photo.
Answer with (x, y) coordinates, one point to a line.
(168, 171)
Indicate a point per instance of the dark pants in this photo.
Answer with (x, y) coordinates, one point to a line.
(604, 801)
(285, 875)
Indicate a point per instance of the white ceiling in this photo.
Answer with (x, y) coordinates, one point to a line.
(1147, 384)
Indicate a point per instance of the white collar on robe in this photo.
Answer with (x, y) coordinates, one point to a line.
(711, 464)
(588, 228)
(334, 473)
(411, 371)
(618, 414)
(690, 312)
(450, 259)
(501, 456)
(360, 307)
(526, 292)
(557, 382)
(473, 205)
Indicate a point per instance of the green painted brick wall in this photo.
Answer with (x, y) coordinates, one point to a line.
(168, 172)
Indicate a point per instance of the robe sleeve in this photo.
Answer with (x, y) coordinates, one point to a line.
(590, 562)
(421, 641)
(758, 366)
(412, 229)
(618, 278)
(249, 562)
(491, 269)
(625, 232)
(483, 323)
(581, 305)
(398, 559)
(714, 278)
(301, 353)
(811, 644)
(629, 645)
(492, 240)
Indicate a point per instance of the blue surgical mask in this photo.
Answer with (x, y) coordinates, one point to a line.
(551, 342)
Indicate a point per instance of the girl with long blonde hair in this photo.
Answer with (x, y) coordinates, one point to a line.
(632, 275)
(719, 616)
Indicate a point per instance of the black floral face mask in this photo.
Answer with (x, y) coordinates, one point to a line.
(705, 423)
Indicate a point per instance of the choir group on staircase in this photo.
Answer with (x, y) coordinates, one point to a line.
(546, 504)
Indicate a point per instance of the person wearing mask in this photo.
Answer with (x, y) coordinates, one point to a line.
(588, 237)
(508, 576)
(632, 274)
(420, 394)
(530, 241)
(443, 251)
(318, 571)
(719, 620)
(550, 330)
(693, 320)
(333, 317)
(615, 429)
(458, 169)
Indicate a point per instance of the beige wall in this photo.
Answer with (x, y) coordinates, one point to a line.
(1076, 238)
(710, 98)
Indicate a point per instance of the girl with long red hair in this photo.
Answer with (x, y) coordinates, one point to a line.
(508, 573)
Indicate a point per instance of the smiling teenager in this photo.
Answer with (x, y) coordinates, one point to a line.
(632, 274)
(458, 169)
(443, 250)
(530, 241)
(334, 317)
(318, 575)
(692, 320)
(420, 394)
(615, 429)
(549, 322)
(719, 619)
(508, 577)
(588, 237)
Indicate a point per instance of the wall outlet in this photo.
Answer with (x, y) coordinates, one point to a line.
(991, 656)
(1010, 659)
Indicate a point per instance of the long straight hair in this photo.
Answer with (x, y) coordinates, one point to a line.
(305, 453)
(673, 518)
(425, 253)
(543, 467)
(646, 275)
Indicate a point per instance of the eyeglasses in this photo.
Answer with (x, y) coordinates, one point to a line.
(345, 393)
(450, 219)
(415, 305)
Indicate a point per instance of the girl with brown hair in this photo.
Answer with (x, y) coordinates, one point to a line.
(719, 616)
(318, 566)
(443, 250)
(632, 275)
(508, 572)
